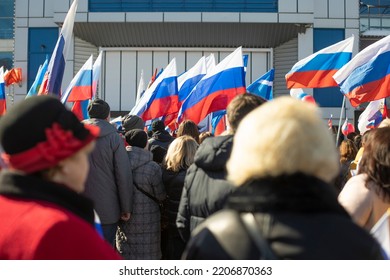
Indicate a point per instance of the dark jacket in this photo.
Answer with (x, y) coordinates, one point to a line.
(299, 217)
(173, 182)
(205, 188)
(109, 182)
(160, 138)
(47, 221)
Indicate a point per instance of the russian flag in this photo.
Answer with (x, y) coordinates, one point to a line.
(216, 89)
(161, 98)
(2, 93)
(80, 88)
(188, 80)
(367, 76)
(263, 85)
(316, 70)
(97, 66)
(141, 87)
(38, 79)
(55, 72)
(210, 62)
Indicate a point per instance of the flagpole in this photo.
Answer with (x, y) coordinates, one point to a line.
(341, 117)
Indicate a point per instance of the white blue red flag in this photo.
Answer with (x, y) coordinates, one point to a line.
(367, 76)
(161, 98)
(210, 62)
(80, 88)
(216, 89)
(371, 115)
(189, 79)
(316, 70)
(141, 87)
(55, 71)
(38, 79)
(3, 106)
(80, 109)
(263, 85)
(96, 73)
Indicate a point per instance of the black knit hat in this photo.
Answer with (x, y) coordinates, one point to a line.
(39, 132)
(98, 109)
(136, 138)
(130, 122)
(158, 125)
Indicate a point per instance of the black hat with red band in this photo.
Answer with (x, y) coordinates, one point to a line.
(39, 132)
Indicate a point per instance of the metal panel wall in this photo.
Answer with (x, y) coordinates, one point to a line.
(285, 56)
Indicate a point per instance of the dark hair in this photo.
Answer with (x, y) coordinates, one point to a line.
(240, 106)
(376, 161)
(189, 128)
(358, 141)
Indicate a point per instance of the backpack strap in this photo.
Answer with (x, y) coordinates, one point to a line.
(252, 228)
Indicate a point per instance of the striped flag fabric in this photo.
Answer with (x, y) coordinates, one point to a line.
(13, 76)
(96, 69)
(38, 79)
(210, 62)
(161, 98)
(80, 88)
(367, 76)
(367, 118)
(189, 79)
(263, 85)
(3, 105)
(80, 109)
(55, 71)
(216, 89)
(218, 122)
(316, 70)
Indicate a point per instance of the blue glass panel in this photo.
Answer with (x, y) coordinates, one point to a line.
(6, 60)
(327, 97)
(183, 6)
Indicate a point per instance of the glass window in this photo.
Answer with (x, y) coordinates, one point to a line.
(6, 19)
(6, 60)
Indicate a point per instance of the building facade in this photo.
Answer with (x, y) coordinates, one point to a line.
(144, 35)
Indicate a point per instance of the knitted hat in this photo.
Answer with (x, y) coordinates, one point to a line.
(158, 125)
(39, 132)
(130, 122)
(98, 109)
(136, 138)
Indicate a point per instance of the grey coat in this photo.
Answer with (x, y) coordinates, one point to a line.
(143, 232)
(109, 182)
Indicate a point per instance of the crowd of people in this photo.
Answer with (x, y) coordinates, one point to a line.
(273, 186)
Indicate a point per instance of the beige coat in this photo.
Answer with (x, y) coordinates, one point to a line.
(361, 202)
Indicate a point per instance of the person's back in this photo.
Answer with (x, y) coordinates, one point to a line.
(160, 136)
(206, 187)
(284, 203)
(109, 182)
(42, 212)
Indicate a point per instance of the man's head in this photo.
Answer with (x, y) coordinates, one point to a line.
(240, 106)
(158, 125)
(130, 122)
(98, 109)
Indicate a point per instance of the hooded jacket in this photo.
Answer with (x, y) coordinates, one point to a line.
(205, 187)
(160, 138)
(109, 182)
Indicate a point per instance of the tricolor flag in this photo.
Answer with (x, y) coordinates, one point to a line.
(80, 109)
(366, 77)
(141, 87)
(381, 232)
(218, 122)
(96, 69)
(2, 92)
(216, 89)
(55, 71)
(161, 98)
(189, 79)
(38, 79)
(210, 62)
(367, 118)
(316, 70)
(80, 88)
(263, 85)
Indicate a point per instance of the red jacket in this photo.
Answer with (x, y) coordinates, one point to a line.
(37, 229)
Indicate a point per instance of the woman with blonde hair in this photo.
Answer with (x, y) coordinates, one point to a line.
(282, 161)
(179, 157)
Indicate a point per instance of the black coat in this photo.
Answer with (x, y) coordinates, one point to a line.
(299, 217)
(205, 187)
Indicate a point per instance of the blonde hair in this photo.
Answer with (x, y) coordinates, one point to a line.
(181, 152)
(283, 136)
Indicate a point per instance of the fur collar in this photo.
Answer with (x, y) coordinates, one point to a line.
(287, 193)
